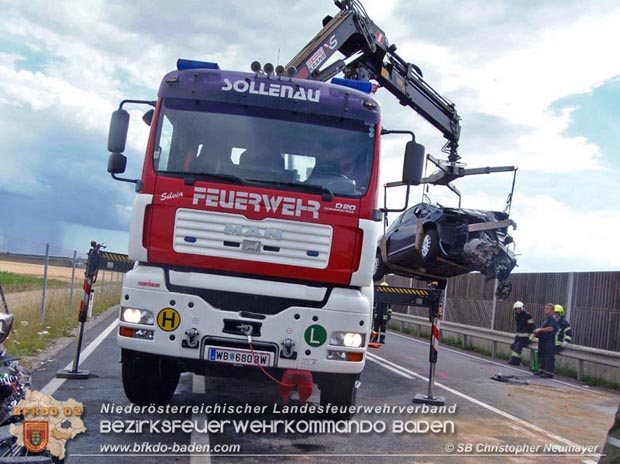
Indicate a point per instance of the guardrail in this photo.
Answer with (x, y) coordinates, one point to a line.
(580, 353)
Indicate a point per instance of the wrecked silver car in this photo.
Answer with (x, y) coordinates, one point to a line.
(428, 241)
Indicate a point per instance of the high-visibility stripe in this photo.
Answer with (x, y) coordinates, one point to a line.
(435, 333)
(401, 290)
(86, 295)
(522, 334)
(515, 355)
(115, 257)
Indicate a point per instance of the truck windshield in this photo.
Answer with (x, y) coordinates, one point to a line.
(265, 146)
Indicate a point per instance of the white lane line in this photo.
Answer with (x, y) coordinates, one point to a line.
(505, 366)
(202, 439)
(384, 363)
(54, 384)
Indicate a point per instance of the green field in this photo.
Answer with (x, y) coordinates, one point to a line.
(12, 282)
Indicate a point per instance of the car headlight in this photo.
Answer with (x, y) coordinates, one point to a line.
(137, 316)
(349, 339)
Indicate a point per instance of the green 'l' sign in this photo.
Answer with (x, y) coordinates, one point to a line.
(315, 335)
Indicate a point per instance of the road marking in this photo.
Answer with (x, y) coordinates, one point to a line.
(505, 366)
(198, 386)
(54, 384)
(385, 363)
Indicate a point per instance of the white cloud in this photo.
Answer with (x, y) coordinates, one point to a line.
(9, 59)
(552, 232)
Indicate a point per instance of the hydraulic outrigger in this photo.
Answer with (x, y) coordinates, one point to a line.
(424, 298)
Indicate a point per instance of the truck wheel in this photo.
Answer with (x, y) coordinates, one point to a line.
(430, 245)
(339, 390)
(149, 379)
(380, 270)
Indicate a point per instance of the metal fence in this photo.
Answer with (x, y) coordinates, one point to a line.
(591, 301)
(36, 274)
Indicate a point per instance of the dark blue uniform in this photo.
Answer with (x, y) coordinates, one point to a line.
(546, 345)
(382, 314)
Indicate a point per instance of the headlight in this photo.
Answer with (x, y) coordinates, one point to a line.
(353, 340)
(349, 339)
(137, 316)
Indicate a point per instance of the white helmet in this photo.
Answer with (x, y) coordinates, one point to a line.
(517, 305)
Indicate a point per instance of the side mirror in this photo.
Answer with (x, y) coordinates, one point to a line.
(117, 136)
(413, 165)
(117, 162)
(148, 117)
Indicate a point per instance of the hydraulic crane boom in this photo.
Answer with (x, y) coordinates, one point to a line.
(369, 55)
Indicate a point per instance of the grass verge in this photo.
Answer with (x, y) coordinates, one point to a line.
(30, 335)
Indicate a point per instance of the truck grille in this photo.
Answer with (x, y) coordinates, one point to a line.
(234, 236)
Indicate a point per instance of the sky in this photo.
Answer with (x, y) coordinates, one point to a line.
(533, 81)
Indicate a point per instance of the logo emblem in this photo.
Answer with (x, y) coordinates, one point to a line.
(250, 246)
(35, 435)
(253, 231)
(168, 319)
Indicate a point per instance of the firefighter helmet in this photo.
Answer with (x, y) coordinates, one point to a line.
(559, 309)
(517, 305)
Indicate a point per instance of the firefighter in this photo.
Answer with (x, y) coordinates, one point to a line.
(524, 333)
(382, 314)
(546, 342)
(565, 333)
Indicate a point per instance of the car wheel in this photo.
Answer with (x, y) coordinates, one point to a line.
(430, 245)
(379, 270)
(148, 378)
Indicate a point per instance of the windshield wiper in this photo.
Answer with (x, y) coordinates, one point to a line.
(190, 178)
(326, 194)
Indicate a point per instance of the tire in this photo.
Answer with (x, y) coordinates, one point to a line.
(148, 378)
(339, 390)
(379, 270)
(429, 249)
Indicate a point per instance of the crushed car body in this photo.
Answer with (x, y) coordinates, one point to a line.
(428, 241)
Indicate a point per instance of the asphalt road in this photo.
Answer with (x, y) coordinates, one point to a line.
(491, 420)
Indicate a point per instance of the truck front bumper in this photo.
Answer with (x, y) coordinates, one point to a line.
(185, 326)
